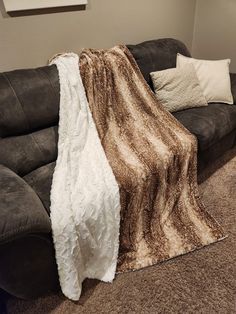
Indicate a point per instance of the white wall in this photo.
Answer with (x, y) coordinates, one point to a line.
(30, 41)
(215, 30)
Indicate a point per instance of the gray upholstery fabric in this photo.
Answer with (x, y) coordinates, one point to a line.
(31, 98)
(210, 124)
(40, 180)
(157, 55)
(207, 156)
(21, 211)
(25, 153)
(233, 85)
(29, 107)
(28, 267)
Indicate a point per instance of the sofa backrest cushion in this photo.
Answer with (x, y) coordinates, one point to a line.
(157, 55)
(29, 111)
(29, 100)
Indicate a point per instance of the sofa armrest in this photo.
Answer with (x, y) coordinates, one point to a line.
(21, 211)
(233, 85)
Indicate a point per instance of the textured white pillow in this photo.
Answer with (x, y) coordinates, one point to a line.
(213, 76)
(178, 88)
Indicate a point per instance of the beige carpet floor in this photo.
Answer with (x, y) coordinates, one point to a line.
(200, 282)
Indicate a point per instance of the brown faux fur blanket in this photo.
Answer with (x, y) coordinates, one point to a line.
(153, 158)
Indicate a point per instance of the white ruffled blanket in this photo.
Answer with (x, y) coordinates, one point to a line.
(85, 200)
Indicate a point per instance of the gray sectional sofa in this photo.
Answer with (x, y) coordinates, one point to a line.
(29, 106)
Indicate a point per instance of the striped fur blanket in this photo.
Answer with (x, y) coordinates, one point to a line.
(124, 193)
(153, 158)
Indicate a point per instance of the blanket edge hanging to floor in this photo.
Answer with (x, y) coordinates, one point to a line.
(85, 200)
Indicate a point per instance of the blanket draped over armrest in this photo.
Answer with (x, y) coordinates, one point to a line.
(125, 165)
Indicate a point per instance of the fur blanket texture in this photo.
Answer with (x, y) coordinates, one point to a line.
(153, 158)
(125, 177)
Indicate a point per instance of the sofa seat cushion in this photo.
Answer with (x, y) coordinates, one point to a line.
(41, 180)
(210, 124)
(21, 211)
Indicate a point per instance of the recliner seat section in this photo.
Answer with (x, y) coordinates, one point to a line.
(210, 124)
(214, 126)
(29, 106)
(29, 112)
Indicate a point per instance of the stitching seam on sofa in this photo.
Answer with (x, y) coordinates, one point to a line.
(13, 234)
(45, 74)
(37, 144)
(9, 82)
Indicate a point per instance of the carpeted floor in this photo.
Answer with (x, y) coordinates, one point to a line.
(200, 282)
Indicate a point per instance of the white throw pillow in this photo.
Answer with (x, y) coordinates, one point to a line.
(213, 76)
(178, 88)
